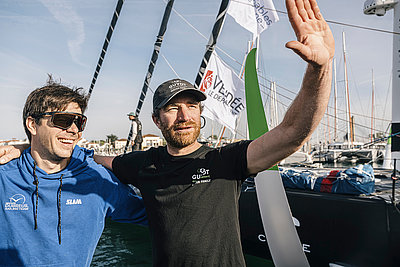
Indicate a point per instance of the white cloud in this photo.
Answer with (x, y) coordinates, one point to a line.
(71, 21)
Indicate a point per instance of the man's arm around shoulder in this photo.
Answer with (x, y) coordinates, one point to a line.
(106, 161)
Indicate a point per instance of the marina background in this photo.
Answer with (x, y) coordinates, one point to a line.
(64, 38)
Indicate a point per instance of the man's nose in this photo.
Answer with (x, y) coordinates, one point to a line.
(183, 114)
(73, 128)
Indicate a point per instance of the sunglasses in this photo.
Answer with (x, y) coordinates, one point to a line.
(64, 120)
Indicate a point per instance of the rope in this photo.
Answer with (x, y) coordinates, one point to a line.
(169, 65)
(105, 45)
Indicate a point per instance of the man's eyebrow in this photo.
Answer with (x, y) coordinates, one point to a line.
(193, 102)
(170, 104)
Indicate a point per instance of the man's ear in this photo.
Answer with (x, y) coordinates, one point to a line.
(31, 125)
(156, 121)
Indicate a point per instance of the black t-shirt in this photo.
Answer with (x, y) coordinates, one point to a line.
(191, 202)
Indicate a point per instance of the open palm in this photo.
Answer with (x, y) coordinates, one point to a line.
(315, 43)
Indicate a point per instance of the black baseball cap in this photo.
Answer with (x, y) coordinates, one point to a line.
(167, 90)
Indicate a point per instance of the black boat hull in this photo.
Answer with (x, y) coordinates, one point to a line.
(346, 230)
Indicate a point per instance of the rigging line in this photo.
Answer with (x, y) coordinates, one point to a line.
(387, 92)
(340, 110)
(354, 123)
(329, 115)
(290, 91)
(340, 130)
(330, 21)
(111, 29)
(202, 35)
(187, 22)
(355, 85)
(153, 60)
(169, 65)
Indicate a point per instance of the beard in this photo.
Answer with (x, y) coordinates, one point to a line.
(180, 140)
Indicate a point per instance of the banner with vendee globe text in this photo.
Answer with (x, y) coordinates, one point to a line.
(225, 93)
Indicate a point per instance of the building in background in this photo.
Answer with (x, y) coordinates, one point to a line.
(151, 140)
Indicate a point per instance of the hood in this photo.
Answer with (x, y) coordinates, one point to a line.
(79, 160)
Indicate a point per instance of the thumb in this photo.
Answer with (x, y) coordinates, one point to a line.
(299, 48)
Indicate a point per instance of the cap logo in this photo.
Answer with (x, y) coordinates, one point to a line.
(176, 86)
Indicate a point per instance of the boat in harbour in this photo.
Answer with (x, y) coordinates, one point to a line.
(351, 153)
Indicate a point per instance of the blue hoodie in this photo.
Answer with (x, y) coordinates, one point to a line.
(67, 209)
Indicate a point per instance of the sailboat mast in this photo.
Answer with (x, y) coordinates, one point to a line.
(396, 86)
(274, 106)
(257, 51)
(372, 107)
(335, 99)
(349, 125)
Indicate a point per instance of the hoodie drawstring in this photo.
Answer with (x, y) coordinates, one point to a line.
(59, 210)
(36, 183)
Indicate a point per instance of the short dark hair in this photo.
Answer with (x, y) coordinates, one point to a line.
(52, 97)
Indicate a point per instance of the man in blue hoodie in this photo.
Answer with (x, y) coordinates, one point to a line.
(54, 198)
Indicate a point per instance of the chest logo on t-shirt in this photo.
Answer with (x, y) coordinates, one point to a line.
(17, 202)
(76, 201)
(201, 176)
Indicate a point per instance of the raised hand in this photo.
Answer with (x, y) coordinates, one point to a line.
(315, 43)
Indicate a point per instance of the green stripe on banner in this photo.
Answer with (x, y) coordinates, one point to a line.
(257, 122)
(283, 241)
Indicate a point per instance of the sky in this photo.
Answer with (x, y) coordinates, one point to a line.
(64, 38)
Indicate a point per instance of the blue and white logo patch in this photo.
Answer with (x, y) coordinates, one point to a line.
(17, 202)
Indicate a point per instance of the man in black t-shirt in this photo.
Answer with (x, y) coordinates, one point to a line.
(191, 191)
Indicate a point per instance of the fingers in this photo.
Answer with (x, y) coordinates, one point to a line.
(7, 154)
(309, 10)
(293, 14)
(315, 8)
(4, 158)
(301, 10)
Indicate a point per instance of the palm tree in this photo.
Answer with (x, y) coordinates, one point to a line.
(111, 138)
